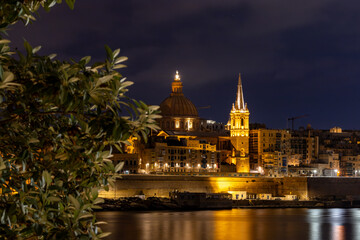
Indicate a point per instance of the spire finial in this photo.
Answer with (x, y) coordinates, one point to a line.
(240, 104)
(177, 76)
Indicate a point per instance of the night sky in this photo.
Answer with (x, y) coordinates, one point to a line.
(296, 57)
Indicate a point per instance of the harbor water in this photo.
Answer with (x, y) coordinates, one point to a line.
(244, 224)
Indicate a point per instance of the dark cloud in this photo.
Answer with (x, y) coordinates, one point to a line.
(296, 57)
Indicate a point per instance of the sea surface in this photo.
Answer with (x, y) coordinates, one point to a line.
(243, 224)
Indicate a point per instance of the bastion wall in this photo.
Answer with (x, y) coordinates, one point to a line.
(160, 186)
(334, 188)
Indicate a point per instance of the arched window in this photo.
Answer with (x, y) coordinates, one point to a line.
(242, 122)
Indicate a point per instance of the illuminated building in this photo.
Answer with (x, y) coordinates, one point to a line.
(350, 166)
(239, 131)
(178, 112)
(174, 154)
(305, 144)
(268, 141)
(336, 130)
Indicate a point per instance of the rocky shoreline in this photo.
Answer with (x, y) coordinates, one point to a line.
(155, 203)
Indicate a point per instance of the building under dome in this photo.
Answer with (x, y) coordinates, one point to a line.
(179, 113)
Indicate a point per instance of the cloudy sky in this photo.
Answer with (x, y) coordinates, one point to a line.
(296, 57)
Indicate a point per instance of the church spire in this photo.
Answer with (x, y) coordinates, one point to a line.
(240, 104)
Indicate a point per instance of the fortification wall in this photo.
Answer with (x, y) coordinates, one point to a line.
(333, 187)
(305, 188)
(293, 186)
(160, 186)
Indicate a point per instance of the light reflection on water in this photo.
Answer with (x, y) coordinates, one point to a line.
(246, 224)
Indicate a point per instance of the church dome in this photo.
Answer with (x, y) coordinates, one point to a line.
(177, 105)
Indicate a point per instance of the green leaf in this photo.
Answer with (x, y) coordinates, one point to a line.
(101, 223)
(85, 215)
(4, 41)
(36, 49)
(105, 234)
(33, 140)
(86, 60)
(70, 3)
(116, 52)
(47, 177)
(75, 202)
(28, 48)
(119, 166)
(98, 201)
(54, 199)
(52, 56)
(109, 52)
(120, 59)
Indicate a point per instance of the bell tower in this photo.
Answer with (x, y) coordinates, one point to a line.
(239, 131)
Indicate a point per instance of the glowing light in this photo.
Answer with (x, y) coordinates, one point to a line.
(189, 124)
(177, 76)
(199, 165)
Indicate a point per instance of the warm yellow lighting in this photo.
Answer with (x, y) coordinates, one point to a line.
(177, 123)
(177, 76)
(189, 123)
(199, 165)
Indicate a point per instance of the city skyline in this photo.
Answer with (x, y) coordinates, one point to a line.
(294, 59)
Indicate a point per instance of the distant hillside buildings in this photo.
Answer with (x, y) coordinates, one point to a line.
(190, 144)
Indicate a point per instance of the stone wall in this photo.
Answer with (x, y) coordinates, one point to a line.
(305, 188)
(160, 186)
(334, 188)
